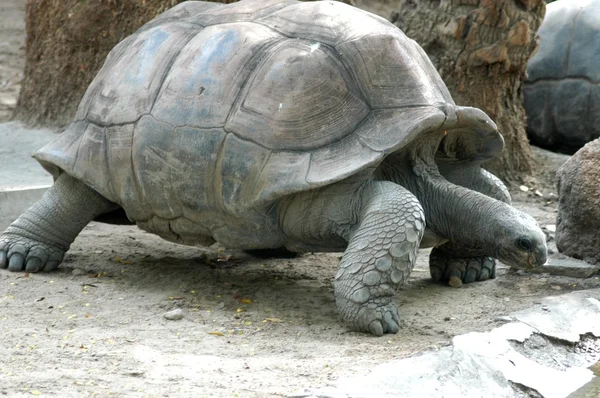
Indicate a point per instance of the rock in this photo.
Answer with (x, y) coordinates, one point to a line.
(174, 315)
(578, 220)
(79, 272)
(524, 351)
(571, 267)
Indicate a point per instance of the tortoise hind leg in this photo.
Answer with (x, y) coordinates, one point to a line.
(39, 238)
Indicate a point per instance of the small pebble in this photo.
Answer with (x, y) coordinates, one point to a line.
(174, 315)
(524, 188)
(538, 193)
(79, 272)
(551, 227)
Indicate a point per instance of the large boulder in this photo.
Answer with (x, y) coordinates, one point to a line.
(562, 90)
(578, 221)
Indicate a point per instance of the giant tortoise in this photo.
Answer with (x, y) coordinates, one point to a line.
(562, 89)
(311, 126)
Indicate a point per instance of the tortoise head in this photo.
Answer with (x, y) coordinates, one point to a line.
(520, 242)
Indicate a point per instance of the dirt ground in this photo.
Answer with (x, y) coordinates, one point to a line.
(252, 327)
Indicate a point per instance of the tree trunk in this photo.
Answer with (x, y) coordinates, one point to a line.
(481, 49)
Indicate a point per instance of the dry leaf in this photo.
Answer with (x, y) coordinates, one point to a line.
(216, 333)
(119, 260)
(246, 301)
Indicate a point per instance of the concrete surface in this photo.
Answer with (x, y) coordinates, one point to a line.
(22, 180)
(495, 363)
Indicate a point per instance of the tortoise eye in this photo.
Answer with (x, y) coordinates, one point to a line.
(525, 244)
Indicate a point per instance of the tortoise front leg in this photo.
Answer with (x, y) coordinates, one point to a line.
(380, 256)
(383, 224)
(39, 238)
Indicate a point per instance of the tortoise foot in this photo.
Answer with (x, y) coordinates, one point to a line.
(23, 254)
(461, 270)
(376, 316)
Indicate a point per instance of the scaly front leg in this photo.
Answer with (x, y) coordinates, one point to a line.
(381, 225)
(380, 256)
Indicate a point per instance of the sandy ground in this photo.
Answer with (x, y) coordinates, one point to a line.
(252, 327)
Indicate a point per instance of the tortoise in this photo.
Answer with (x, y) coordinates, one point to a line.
(562, 89)
(310, 126)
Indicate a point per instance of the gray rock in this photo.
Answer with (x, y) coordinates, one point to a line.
(578, 220)
(562, 90)
(533, 350)
(174, 315)
(567, 267)
(79, 272)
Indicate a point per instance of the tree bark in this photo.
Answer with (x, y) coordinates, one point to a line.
(481, 49)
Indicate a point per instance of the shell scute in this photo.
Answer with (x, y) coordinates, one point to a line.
(297, 99)
(320, 21)
(392, 72)
(128, 83)
(205, 78)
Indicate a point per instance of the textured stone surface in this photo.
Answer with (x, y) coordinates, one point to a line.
(567, 267)
(527, 351)
(174, 315)
(578, 220)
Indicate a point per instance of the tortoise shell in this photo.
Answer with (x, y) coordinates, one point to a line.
(562, 90)
(213, 109)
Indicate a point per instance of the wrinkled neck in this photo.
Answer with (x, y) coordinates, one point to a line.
(459, 214)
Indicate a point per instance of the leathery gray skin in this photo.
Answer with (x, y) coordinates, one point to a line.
(380, 221)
